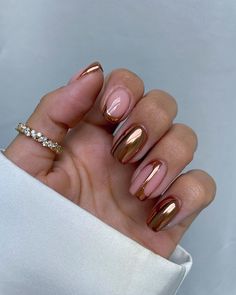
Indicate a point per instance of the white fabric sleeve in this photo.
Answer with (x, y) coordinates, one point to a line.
(49, 245)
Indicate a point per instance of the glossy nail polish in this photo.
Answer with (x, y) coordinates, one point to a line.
(163, 213)
(116, 105)
(148, 179)
(129, 144)
(96, 66)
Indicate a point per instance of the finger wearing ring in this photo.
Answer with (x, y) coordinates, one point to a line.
(40, 138)
(57, 112)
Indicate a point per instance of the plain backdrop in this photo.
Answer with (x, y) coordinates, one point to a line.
(186, 47)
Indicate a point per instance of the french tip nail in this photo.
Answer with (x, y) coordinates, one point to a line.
(140, 195)
(154, 167)
(116, 104)
(142, 199)
(109, 118)
(95, 66)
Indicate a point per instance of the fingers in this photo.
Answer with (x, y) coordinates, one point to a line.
(186, 197)
(56, 113)
(147, 123)
(166, 149)
(121, 91)
(164, 162)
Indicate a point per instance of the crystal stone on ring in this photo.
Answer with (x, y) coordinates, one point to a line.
(45, 141)
(39, 134)
(41, 139)
(27, 131)
(50, 143)
(33, 134)
(21, 127)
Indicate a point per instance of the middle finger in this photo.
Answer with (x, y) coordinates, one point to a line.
(164, 162)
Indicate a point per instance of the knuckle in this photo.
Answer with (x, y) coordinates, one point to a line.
(45, 98)
(201, 187)
(50, 96)
(187, 131)
(40, 107)
(181, 149)
(197, 188)
(187, 136)
(154, 112)
(209, 184)
(165, 100)
(46, 105)
(125, 75)
(163, 116)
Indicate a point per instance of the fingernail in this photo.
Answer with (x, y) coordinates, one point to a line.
(148, 179)
(95, 66)
(163, 213)
(129, 144)
(116, 105)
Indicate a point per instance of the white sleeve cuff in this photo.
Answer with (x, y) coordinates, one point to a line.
(51, 246)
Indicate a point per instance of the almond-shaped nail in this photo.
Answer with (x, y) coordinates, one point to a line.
(148, 179)
(116, 105)
(129, 144)
(95, 66)
(163, 213)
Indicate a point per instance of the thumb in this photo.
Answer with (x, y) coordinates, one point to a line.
(57, 112)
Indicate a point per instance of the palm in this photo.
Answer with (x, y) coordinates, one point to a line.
(88, 175)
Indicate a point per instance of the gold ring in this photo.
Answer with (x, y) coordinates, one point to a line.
(40, 138)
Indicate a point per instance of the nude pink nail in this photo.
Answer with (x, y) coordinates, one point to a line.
(116, 105)
(148, 179)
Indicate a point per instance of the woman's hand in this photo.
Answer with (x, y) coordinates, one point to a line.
(148, 153)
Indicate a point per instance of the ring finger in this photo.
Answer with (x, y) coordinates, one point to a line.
(164, 162)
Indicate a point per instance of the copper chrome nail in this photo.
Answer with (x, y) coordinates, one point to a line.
(140, 194)
(129, 144)
(91, 68)
(163, 213)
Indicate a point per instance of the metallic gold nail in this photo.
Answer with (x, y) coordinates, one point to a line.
(163, 213)
(91, 68)
(140, 192)
(129, 144)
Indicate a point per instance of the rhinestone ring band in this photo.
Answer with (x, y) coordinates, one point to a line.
(39, 137)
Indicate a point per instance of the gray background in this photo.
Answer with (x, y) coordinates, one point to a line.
(185, 47)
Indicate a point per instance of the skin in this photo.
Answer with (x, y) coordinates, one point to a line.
(87, 174)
